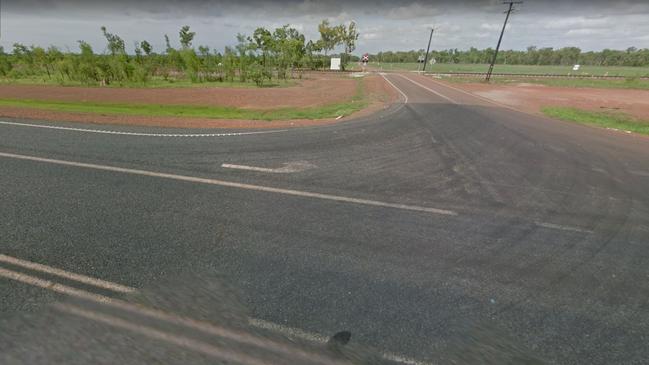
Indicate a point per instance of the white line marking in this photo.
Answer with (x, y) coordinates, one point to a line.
(231, 184)
(561, 227)
(289, 167)
(478, 96)
(288, 331)
(104, 131)
(66, 274)
(206, 327)
(502, 104)
(318, 338)
(429, 89)
(158, 314)
(181, 341)
(639, 173)
(405, 97)
(473, 95)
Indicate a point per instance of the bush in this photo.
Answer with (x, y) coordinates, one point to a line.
(259, 74)
(141, 74)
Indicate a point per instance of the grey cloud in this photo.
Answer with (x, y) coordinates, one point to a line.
(383, 24)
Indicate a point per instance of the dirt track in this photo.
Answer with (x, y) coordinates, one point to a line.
(531, 97)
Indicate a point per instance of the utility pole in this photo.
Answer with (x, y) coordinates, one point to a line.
(493, 60)
(428, 48)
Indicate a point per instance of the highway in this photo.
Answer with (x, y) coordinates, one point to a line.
(444, 226)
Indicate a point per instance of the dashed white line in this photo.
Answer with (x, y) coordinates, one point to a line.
(305, 194)
(154, 313)
(289, 167)
(562, 227)
(105, 131)
(170, 317)
(251, 168)
(288, 331)
(318, 338)
(639, 173)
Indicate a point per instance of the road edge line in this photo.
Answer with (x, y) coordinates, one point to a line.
(139, 134)
(405, 97)
(431, 90)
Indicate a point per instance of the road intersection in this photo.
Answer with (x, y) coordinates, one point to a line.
(410, 228)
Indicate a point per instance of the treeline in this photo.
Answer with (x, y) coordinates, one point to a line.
(531, 56)
(260, 57)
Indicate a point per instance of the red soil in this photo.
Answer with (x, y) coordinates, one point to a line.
(532, 97)
(317, 91)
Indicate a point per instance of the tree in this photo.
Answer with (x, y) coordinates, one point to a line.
(173, 60)
(117, 67)
(40, 61)
(5, 65)
(186, 37)
(348, 36)
(115, 43)
(86, 68)
(262, 40)
(329, 36)
(243, 47)
(146, 47)
(168, 46)
(568, 55)
(206, 61)
(287, 45)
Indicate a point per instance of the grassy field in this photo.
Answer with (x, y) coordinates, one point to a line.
(629, 83)
(357, 103)
(601, 119)
(520, 69)
(156, 82)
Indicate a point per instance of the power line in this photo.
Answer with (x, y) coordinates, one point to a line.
(493, 60)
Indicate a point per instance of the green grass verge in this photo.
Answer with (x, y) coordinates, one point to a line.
(630, 83)
(357, 103)
(519, 69)
(156, 82)
(601, 119)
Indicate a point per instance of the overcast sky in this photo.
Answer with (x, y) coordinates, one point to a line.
(383, 25)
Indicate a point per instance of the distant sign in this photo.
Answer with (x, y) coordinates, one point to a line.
(335, 64)
(576, 67)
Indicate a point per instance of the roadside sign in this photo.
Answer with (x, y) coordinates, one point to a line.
(335, 64)
(365, 59)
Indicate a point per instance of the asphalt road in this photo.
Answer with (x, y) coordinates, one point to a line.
(442, 229)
